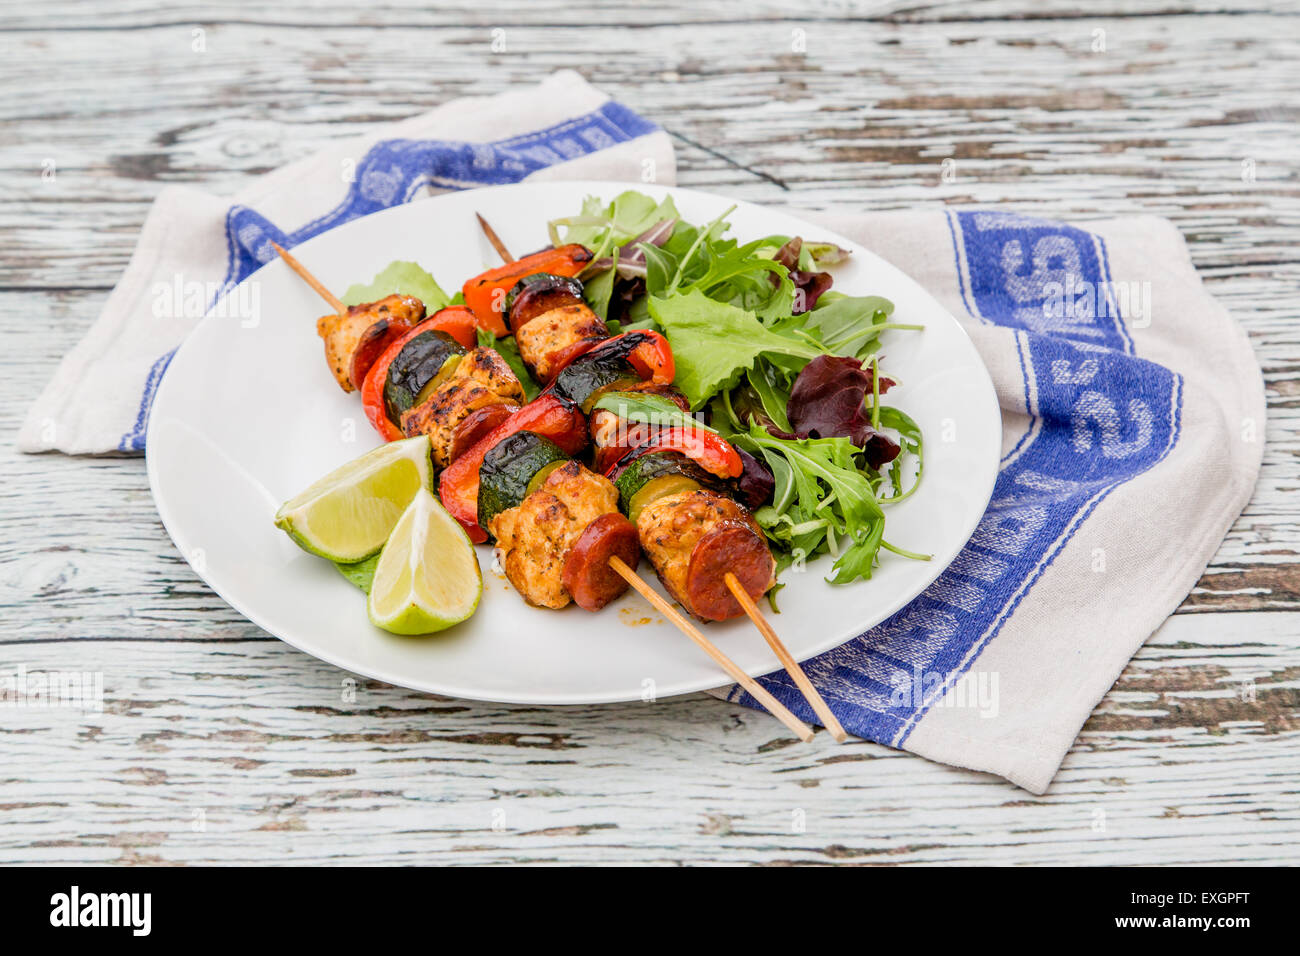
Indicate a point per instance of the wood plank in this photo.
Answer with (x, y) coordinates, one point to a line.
(205, 712)
(263, 741)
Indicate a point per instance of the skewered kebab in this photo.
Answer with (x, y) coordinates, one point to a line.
(694, 533)
(485, 294)
(606, 540)
(695, 536)
(596, 564)
(549, 512)
(556, 524)
(417, 375)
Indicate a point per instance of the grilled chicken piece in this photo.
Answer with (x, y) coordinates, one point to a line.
(534, 538)
(342, 333)
(605, 424)
(693, 538)
(480, 379)
(548, 341)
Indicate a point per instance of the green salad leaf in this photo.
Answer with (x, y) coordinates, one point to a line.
(700, 259)
(912, 442)
(822, 501)
(605, 229)
(650, 408)
(360, 573)
(402, 278)
(626, 217)
(848, 325)
(715, 342)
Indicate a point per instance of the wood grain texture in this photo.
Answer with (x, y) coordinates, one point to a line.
(845, 105)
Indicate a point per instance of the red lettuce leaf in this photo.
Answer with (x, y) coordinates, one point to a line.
(808, 286)
(828, 400)
(755, 485)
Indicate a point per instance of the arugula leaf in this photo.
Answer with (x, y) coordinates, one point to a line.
(403, 278)
(844, 325)
(509, 350)
(744, 278)
(909, 436)
(649, 408)
(715, 342)
(821, 499)
(743, 275)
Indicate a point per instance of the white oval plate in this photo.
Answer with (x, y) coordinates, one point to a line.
(246, 417)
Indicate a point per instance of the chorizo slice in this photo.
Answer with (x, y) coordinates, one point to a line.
(730, 546)
(586, 575)
(476, 426)
(372, 344)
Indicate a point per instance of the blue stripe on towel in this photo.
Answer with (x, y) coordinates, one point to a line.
(391, 173)
(134, 439)
(1099, 417)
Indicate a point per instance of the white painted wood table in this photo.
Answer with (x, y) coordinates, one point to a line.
(220, 744)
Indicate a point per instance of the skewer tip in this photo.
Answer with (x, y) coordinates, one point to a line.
(493, 238)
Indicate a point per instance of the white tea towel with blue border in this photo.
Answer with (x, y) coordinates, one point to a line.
(195, 246)
(1133, 428)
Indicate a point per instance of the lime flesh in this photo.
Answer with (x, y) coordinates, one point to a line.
(349, 514)
(427, 578)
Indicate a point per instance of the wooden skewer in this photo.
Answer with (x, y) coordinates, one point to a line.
(311, 280)
(779, 710)
(493, 238)
(787, 661)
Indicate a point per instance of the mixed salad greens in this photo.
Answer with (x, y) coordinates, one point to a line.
(766, 353)
(781, 366)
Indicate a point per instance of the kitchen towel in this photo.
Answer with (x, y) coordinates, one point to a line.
(1132, 434)
(1132, 405)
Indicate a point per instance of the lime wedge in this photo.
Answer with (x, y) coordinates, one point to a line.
(427, 578)
(349, 514)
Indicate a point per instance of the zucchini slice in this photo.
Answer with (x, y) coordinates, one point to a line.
(585, 379)
(419, 362)
(508, 469)
(661, 486)
(657, 474)
(431, 386)
(535, 482)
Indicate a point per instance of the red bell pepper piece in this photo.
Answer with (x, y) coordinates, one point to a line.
(486, 294)
(457, 321)
(707, 449)
(547, 416)
(652, 358)
(651, 355)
